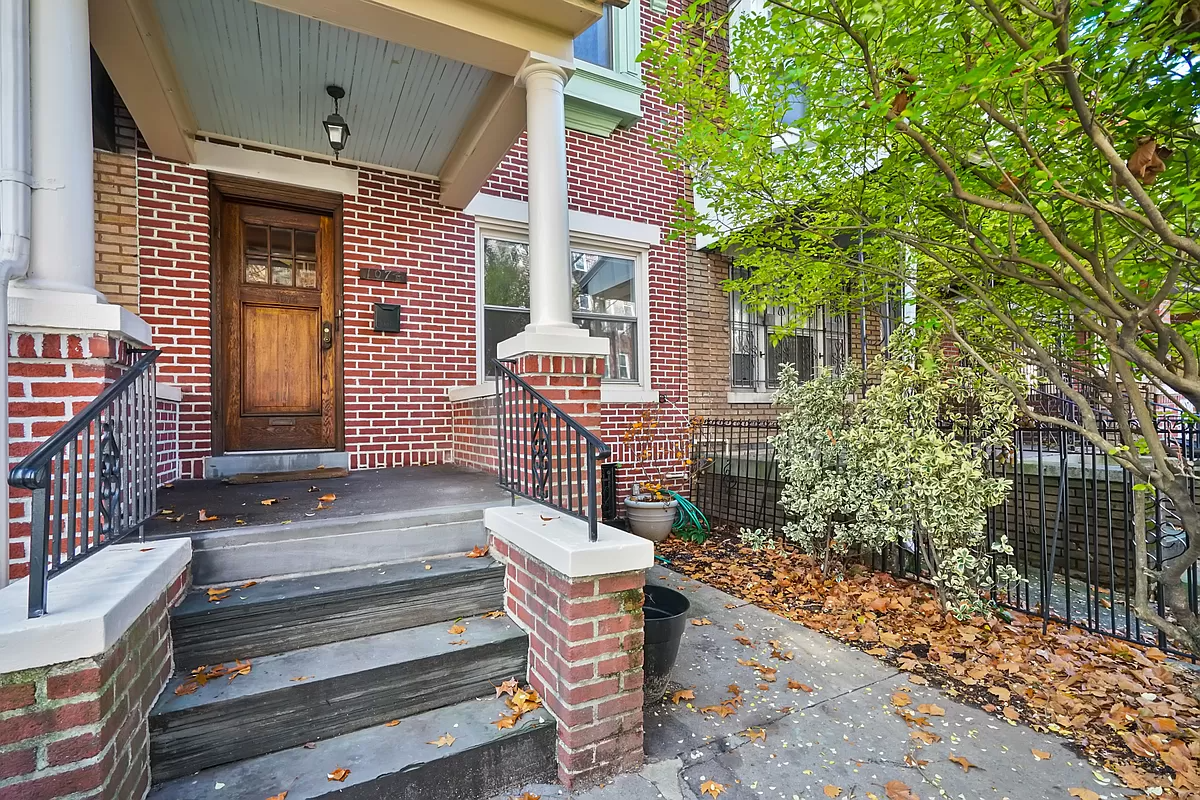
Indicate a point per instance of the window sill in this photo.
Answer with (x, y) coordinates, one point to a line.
(747, 398)
(627, 394)
(608, 394)
(460, 393)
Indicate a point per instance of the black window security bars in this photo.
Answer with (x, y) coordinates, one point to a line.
(757, 351)
(544, 454)
(93, 482)
(1068, 518)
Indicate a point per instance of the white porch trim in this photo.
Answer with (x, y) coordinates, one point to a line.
(561, 542)
(63, 311)
(232, 160)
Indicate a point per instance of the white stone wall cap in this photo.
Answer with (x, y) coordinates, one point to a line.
(90, 606)
(70, 311)
(561, 542)
(561, 343)
(168, 391)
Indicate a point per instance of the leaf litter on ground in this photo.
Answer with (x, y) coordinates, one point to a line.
(1123, 705)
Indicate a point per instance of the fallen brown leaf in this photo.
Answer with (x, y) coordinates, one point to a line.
(711, 788)
(281, 796)
(478, 551)
(753, 735)
(340, 774)
(445, 740)
(898, 790)
(270, 501)
(931, 709)
(454, 630)
(702, 621)
(900, 699)
(327, 498)
(832, 791)
(391, 724)
(204, 517)
(508, 687)
(1083, 794)
(1040, 755)
(683, 694)
(964, 763)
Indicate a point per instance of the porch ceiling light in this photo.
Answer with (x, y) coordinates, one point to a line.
(336, 128)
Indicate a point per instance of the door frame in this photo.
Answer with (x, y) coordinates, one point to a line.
(222, 188)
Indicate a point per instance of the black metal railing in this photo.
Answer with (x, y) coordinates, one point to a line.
(1069, 518)
(544, 454)
(94, 480)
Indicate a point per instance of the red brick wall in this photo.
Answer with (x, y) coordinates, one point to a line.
(80, 729)
(475, 433)
(397, 412)
(173, 257)
(396, 409)
(585, 660)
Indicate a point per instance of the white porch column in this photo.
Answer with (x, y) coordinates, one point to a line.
(59, 290)
(63, 250)
(550, 328)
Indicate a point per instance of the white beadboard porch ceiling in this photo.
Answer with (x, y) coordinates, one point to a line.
(256, 73)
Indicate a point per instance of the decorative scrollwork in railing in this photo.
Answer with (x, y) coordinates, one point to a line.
(544, 454)
(94, 480)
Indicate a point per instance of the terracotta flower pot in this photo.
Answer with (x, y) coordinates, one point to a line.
(651, 519)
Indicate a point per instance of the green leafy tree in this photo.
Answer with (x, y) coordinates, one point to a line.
(1024, 169)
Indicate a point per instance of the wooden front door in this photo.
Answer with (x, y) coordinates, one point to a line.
(278, 335)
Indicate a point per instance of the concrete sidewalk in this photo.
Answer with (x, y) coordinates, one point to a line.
(844, 735)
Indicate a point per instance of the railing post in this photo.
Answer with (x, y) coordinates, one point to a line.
(593, 534)
(39, 574)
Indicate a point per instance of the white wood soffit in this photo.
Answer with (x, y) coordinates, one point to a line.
(128, 39)
(495, 35)
(255, 73)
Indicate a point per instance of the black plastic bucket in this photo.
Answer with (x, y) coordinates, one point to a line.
(665, 617)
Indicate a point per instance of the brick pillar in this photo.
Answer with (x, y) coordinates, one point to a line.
(51, 378)
(570, 382)
(585, 658)
(80, 728)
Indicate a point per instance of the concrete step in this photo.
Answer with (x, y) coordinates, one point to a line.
(276, 616)
(329, 690)
(394, 763)
(323, 544)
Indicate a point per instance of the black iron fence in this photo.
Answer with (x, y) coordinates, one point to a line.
(1069, 518)
(543, 453)
(93, 482)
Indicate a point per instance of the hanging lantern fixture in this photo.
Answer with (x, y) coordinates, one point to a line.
(336, 128)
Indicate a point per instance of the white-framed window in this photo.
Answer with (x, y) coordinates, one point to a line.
(757, 351)
(595, 45)
(608, 294)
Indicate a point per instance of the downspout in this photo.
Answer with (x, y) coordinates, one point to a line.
(15, 190)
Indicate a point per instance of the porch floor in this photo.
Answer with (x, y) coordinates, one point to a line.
(362, 492)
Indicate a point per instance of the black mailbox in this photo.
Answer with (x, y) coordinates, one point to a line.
(387, 318)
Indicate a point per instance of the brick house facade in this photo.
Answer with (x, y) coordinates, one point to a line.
(154, 240)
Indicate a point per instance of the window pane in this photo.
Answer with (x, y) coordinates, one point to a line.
(256, 270)
(256, 240)
(595, 44)
(306, 274)
(603, 284)
(497, 326)
(281, 256)
(306, 245)
(621, 364)
(505, 274)
(799, 351)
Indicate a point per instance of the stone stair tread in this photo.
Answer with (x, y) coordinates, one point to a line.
(375, 754)
(336, 659)
(368, 580)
